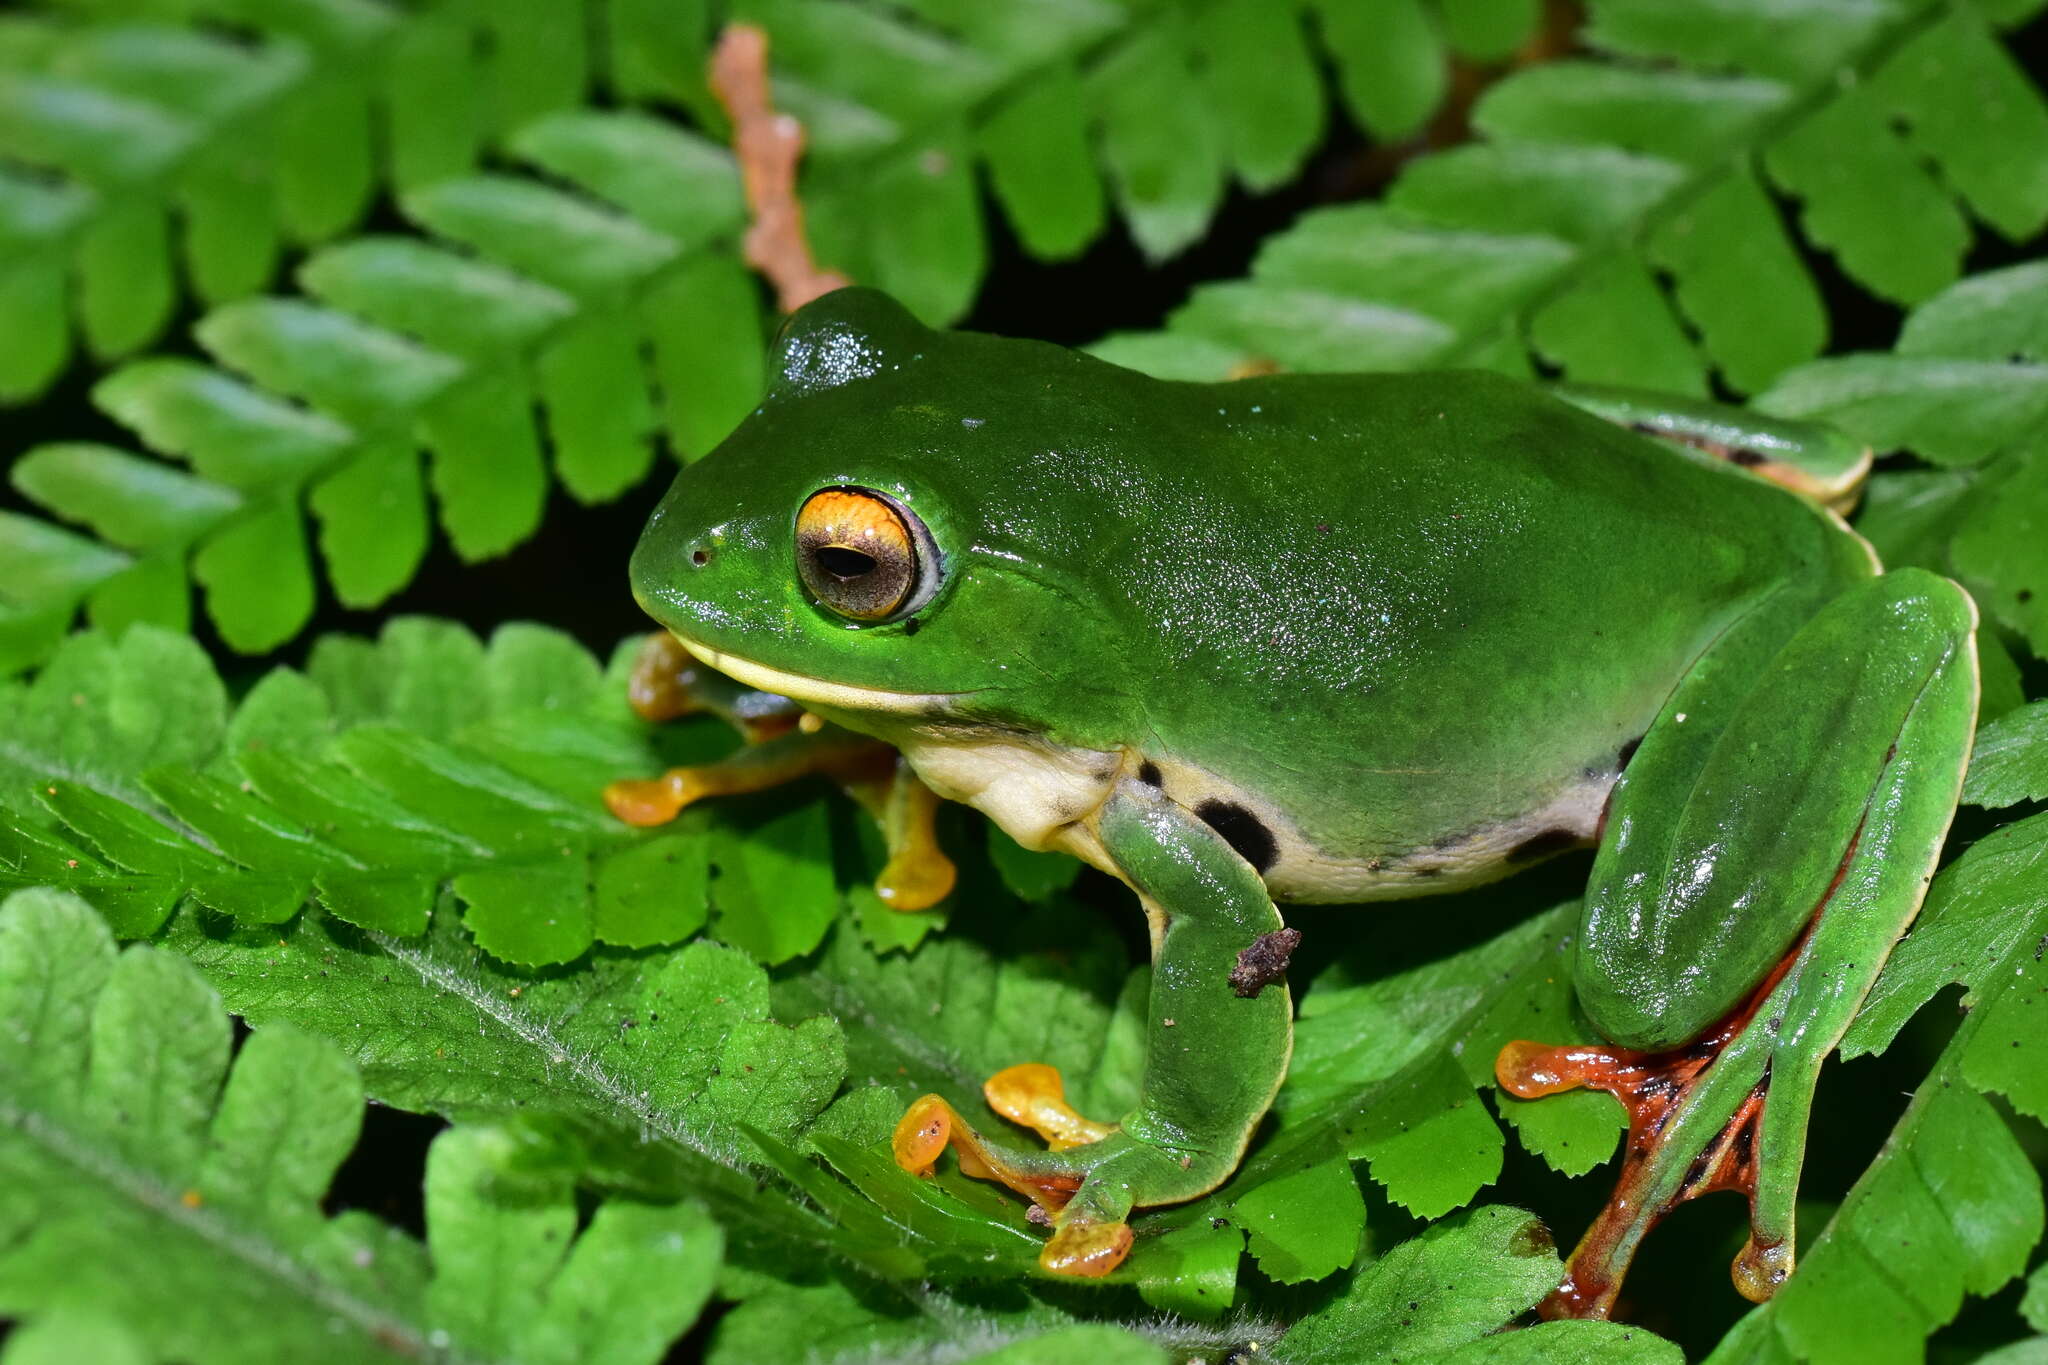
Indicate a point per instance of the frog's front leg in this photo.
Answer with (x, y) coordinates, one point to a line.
(668, 682)
(1219, 1032)
(784, 744)
(1763, 853)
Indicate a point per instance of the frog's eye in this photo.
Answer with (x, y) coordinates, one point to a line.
(864, 555)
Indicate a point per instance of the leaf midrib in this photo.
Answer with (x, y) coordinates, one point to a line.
(79, 1152)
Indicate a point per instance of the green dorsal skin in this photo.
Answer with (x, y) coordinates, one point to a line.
(1374, 635)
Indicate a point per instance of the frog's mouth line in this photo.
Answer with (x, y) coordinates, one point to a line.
(818, 691)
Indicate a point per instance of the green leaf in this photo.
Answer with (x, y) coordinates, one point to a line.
(775, 894)
(1389, 63)
(1612, 195)
(2003, 552)
(641, 1063)
(1035, 145)
(1463, 1278)
(2010, 761)
(139, 1191)
(128, 784)
(1984, 918)
(1032, 876)
(62, 1338)
(828, 1322)
(1567, 1343)
(1163, 148)
(1950, 1207)
(1306, 1225)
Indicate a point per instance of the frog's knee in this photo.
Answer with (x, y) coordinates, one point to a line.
(1924, 598)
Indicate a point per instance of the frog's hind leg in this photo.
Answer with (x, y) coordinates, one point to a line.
(1763, 855)
(1811, 459)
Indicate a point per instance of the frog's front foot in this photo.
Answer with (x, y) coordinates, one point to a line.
(1082, 1184)
(784, 744)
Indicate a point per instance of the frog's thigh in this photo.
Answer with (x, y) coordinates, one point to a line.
(1714, 865)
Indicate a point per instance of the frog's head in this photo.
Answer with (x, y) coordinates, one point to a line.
(899, 528)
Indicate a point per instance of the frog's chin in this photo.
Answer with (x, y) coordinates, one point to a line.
(819, 691)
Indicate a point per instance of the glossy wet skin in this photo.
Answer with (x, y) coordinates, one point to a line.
(1359, 590)
(1355, 638)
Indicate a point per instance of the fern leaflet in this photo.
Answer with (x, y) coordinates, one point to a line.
(139, 1188)
(1551, 241)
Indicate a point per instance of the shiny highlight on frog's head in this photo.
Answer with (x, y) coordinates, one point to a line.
(898, 515)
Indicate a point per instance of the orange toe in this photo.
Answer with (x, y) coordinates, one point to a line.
(1085, 1249)
(1031, 1093)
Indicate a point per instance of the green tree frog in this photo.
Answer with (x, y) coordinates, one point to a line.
(1354, 638)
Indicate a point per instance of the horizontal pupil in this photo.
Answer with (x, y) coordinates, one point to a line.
(843, 563)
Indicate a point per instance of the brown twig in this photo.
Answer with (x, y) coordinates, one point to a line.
(768, 146)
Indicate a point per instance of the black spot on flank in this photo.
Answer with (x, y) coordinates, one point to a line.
(911, 625)
(1543, 845)
(1748, 459)
(1628, 751)
(1242, 831)
(1429, 872)
(1148, 773)
(1644, 427)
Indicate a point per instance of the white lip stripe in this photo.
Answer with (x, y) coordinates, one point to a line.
(798, 687)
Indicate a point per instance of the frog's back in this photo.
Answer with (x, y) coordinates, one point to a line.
(1407, 626)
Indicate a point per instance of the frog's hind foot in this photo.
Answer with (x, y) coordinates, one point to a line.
(1087, 1241)
(1694, 1126)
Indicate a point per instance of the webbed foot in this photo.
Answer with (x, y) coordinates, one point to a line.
(1694, 1127)
(1090, 1235)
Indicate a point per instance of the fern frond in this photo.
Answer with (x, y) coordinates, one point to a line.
(541, 307)
(1615, 223)
(1966, 389)
(128, 130)
(148, 1184)
(123, 131)
(904, 102)
(665, 1073)
(367, 785)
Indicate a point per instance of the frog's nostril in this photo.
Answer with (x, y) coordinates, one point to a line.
(700, 557)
